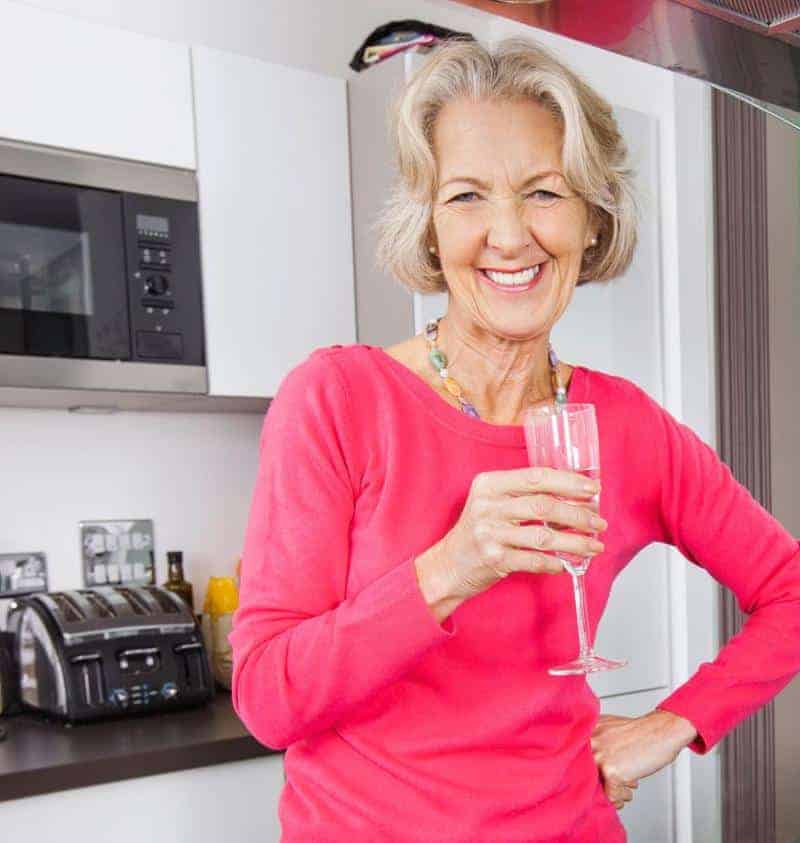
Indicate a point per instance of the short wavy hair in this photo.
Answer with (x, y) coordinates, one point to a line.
(594, 153)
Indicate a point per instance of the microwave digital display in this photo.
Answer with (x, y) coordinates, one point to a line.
(159, 225)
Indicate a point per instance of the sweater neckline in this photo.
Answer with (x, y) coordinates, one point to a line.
(457, 420)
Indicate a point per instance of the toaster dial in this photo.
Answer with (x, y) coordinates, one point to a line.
(120, 698)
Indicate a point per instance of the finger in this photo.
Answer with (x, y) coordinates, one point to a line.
(522, 481)
(619, 793)
(592, 503)
(516, 559)
(546, 538)
(619, 805)
(547, 508)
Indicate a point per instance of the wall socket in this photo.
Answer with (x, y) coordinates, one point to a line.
(22, 573)
(118, 552)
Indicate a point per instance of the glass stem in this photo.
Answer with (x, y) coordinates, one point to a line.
(582, 613)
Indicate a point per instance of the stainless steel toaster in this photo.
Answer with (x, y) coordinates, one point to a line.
(108, 651)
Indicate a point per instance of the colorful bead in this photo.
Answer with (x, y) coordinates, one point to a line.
(437, 358)
(439, 362)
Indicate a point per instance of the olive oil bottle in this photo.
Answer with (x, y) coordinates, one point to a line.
(175, 579)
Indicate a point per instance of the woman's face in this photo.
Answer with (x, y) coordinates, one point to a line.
(503, 205)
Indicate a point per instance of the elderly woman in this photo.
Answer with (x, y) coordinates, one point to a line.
(399, 611)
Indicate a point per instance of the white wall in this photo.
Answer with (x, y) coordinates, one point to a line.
(682, 108)
(192, 473)
(319, 35)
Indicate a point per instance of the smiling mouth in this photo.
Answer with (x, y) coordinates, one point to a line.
(513, 282)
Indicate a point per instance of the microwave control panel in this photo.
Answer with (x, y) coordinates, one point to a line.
(165, 294)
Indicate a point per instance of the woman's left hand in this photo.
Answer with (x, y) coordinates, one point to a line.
(627, 749)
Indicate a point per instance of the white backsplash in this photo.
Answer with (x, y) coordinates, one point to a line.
(191, 473)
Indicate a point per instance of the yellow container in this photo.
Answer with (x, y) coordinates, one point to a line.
(222, 600)
(222, 596)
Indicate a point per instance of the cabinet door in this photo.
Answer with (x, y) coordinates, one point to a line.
(83, 86)
(235, 801)
(276, 236)
(387, 312)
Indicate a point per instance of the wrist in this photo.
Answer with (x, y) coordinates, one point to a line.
(436, 584)
(680, 730)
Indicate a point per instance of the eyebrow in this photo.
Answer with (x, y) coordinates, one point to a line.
(479, 183)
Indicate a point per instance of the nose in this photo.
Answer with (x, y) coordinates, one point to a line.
(507, 232)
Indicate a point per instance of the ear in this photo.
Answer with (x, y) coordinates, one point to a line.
(593, 229)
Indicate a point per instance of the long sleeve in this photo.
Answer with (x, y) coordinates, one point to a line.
(716, 523)
(305, 655)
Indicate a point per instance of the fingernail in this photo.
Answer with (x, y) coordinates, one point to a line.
(598, 546)
(599, 523)
(592, 487)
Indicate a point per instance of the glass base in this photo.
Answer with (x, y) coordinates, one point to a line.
(590, 664)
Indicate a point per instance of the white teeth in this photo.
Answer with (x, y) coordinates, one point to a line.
(513, 279)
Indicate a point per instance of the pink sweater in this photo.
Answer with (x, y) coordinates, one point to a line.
(399, 728)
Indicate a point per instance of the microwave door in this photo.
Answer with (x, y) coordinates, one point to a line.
(63, 291)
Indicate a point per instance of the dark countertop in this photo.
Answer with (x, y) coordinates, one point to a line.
(42, 756)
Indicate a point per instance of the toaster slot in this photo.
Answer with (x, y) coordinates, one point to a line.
(191, 663)
(167, 606)
(116, 602)
(139, 606)
(89, 670)
(100, 605)
(70, 610)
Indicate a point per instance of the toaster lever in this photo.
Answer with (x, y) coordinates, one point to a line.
(86, 657)
(182, 648)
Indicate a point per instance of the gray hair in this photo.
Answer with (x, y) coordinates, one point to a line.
(594, 154)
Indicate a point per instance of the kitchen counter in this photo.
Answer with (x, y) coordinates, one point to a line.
(42, 756)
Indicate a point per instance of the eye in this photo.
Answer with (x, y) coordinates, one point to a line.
(548, 195)
(460, 196)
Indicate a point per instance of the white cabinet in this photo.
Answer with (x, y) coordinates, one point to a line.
(275, 224)
(387, 312)
(234, 801)
(82, 86)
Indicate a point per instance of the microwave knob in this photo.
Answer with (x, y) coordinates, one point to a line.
(120, 697)
(156, 285)
(169, 690)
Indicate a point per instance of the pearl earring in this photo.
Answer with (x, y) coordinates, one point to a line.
(432, 249)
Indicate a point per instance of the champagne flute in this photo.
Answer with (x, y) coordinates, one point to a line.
(565, 437)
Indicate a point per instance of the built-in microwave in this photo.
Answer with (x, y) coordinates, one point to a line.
(100, 283)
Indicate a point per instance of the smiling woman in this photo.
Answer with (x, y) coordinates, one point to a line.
(585, 155)
(402, 592)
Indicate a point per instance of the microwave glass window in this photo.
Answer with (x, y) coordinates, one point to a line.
(45, 269)
(63, 284)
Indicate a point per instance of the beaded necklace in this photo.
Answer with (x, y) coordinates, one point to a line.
(439, 362)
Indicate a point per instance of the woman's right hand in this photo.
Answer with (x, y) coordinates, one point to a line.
(490, 540)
